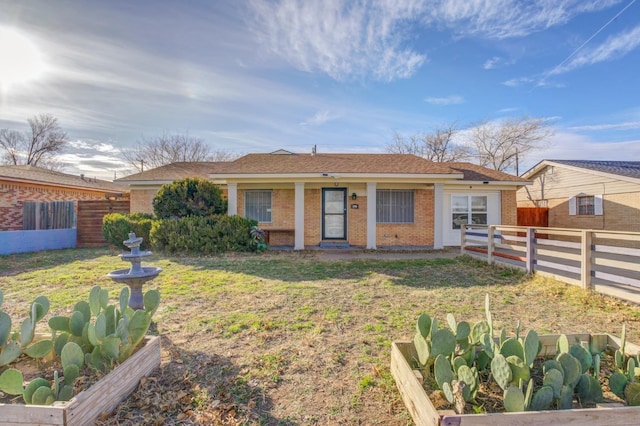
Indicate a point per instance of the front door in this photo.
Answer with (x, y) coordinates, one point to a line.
(334, 213)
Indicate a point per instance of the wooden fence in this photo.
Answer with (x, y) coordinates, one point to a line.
(90, 214)
(48, 215)
(533, 216)
(604, 261)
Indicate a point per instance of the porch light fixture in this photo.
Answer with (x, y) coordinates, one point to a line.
(354, 196)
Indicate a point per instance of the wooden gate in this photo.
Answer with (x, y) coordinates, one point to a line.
(90, 214)
(533, 216)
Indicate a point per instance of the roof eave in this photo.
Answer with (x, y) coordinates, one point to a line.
(59, 185)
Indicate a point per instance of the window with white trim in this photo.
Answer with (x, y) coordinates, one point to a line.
(586, 205)
(257, 205)
(468, 209)
(394, 206)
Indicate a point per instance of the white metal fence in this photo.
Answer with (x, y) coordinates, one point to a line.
(604, 261)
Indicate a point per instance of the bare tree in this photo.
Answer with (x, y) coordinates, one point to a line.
(38, 147)
(500, 145)
(438, 146)
(170, 148)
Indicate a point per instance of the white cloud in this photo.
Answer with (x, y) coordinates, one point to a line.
(500, 19)
(319, 118)
(627, 125)
(370, 38)
(342, 39)
(516, 82)
(449, 100)
(613, 48)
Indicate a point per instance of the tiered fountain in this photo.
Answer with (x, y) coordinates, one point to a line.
(137, 274)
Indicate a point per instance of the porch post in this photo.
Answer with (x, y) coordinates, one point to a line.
(438, 223)
(232, 199)
(371, 215)
(299, 216)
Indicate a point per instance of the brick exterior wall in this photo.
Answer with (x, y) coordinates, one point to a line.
(418, 233)
(142, 200)
(509, 211)
(620, 212)
(13, 195)
(282, 215)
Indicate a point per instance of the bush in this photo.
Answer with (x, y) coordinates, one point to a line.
(116, 228)
(189, 197)
(203, 235)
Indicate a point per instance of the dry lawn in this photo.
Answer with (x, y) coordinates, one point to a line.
(292, 339)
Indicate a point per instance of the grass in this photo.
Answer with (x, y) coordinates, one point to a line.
(287, 338)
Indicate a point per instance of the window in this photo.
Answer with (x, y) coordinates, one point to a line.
(257, 205)
(468, 209)
(394, 206)
(586, 205)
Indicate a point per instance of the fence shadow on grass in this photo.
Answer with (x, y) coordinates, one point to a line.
(194, 387)
(18, 263)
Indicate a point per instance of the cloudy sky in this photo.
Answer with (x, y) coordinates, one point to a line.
(257, 76)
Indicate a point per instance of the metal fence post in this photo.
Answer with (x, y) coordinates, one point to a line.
(463, 237)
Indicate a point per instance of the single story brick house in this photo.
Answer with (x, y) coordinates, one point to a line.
(585, 194)
(20, 184)
(365, 200)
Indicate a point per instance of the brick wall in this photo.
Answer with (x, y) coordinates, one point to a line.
(357, 221)
(509, 211)
(13, 195)
(621, 212)
(282, 215)
(142, 200)
(418, 233)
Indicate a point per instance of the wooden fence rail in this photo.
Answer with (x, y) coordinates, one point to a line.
(604, 261)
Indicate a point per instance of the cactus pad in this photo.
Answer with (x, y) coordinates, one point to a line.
(617, 383)
(423, 326)
(442, 370)
(513, 399)
(542, 399)
(11, 382)
(501, 371)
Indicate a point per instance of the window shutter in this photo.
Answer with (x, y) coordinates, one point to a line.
(572, 206)
(597, 205)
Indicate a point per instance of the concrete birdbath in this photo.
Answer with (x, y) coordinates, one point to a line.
(137, 275)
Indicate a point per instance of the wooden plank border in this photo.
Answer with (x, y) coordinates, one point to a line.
(102, 397)
(425, 414)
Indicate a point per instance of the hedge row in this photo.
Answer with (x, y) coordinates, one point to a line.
(188, 235)
(117, 226)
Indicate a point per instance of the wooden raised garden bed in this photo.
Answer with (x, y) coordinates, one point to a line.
(102, 397)
(423, 412)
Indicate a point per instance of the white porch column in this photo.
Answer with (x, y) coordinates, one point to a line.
(232, 198)
(371, 215)
(299, 216)
(438, 212)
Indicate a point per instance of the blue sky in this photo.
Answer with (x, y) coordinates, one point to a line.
(256, 76)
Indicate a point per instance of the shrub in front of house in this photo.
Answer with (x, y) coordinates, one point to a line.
(117, 226)
(189, 197)
(203, 235)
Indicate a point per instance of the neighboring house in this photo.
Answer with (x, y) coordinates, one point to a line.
(586, 194)
(368, 200)
(20, 184)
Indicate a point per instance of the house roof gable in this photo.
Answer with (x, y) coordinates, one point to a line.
(624, 170)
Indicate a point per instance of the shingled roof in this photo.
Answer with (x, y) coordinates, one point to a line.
(174, 171)
(622, 168)
(279, 163)
(32, 174)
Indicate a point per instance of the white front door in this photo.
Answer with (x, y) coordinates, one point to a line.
(463, 207)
